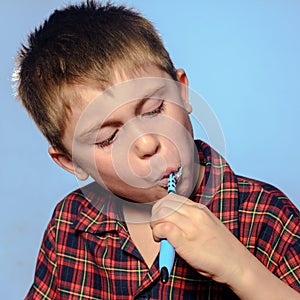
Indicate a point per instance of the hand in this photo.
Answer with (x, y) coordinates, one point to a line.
(201, 239)
(198, 237)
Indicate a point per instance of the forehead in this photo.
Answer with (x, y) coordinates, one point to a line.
(126, 98)
(144, 79)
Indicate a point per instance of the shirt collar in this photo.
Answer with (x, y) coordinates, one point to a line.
(219, 188)
(101, 213)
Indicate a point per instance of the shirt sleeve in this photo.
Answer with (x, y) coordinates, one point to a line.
(289, 269)
(45, 283)
(288, 244)
(270, 229)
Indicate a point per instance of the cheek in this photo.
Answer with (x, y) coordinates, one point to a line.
(135, 167)
(181, 115)
(103, 167)
(96, 163)
(107, 174)
(189, 127)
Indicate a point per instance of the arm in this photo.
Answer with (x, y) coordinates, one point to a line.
(255, 281)
(208, 246)
(44, 285)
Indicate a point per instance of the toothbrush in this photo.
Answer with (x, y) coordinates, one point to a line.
(167, 252)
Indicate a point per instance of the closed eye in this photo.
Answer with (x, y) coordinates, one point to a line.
(151, 113)
(157, 110)
(107, 141)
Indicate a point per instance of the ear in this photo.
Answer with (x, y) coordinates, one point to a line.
(184, 89)
(66, 163)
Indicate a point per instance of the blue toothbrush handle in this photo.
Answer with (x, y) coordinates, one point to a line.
(166, 260)
(167, 252)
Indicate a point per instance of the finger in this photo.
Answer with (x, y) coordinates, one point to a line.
(183, 222)
(172, 203)
(176, 201)
(191, 219)
(174, 198)
(169, 231)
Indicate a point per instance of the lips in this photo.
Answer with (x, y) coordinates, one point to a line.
(165, 177)
(169, 171)
(177, 173)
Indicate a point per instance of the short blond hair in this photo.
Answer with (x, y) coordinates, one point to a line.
(81, 42)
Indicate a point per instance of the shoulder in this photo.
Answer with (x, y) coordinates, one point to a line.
(69, 210)
(261, 196)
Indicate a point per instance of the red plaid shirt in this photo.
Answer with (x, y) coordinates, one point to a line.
(87, 252)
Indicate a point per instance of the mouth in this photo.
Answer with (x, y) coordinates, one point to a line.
(177, 174)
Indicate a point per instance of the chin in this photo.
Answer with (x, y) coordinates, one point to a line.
(185, 191)
(153, 195)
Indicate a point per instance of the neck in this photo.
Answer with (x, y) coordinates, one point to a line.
(137, 212)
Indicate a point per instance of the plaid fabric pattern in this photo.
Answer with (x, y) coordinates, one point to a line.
(87, 252)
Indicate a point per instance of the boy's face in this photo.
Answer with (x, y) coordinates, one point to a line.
(130, 137)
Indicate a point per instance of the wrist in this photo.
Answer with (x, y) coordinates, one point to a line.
(254, 281)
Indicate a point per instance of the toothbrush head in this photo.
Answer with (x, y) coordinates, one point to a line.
(178, 174)
(173, 180)
(171, 184)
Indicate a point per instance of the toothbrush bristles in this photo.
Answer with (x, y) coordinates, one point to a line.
(178, 174)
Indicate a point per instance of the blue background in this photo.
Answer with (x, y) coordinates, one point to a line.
(241, 56)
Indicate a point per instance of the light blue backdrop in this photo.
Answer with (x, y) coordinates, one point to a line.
(241, 56)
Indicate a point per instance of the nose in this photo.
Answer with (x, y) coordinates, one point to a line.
(147, 145)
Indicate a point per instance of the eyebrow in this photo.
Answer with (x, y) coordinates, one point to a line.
(115, 123)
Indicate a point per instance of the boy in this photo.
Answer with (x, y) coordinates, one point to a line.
(101, 87)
